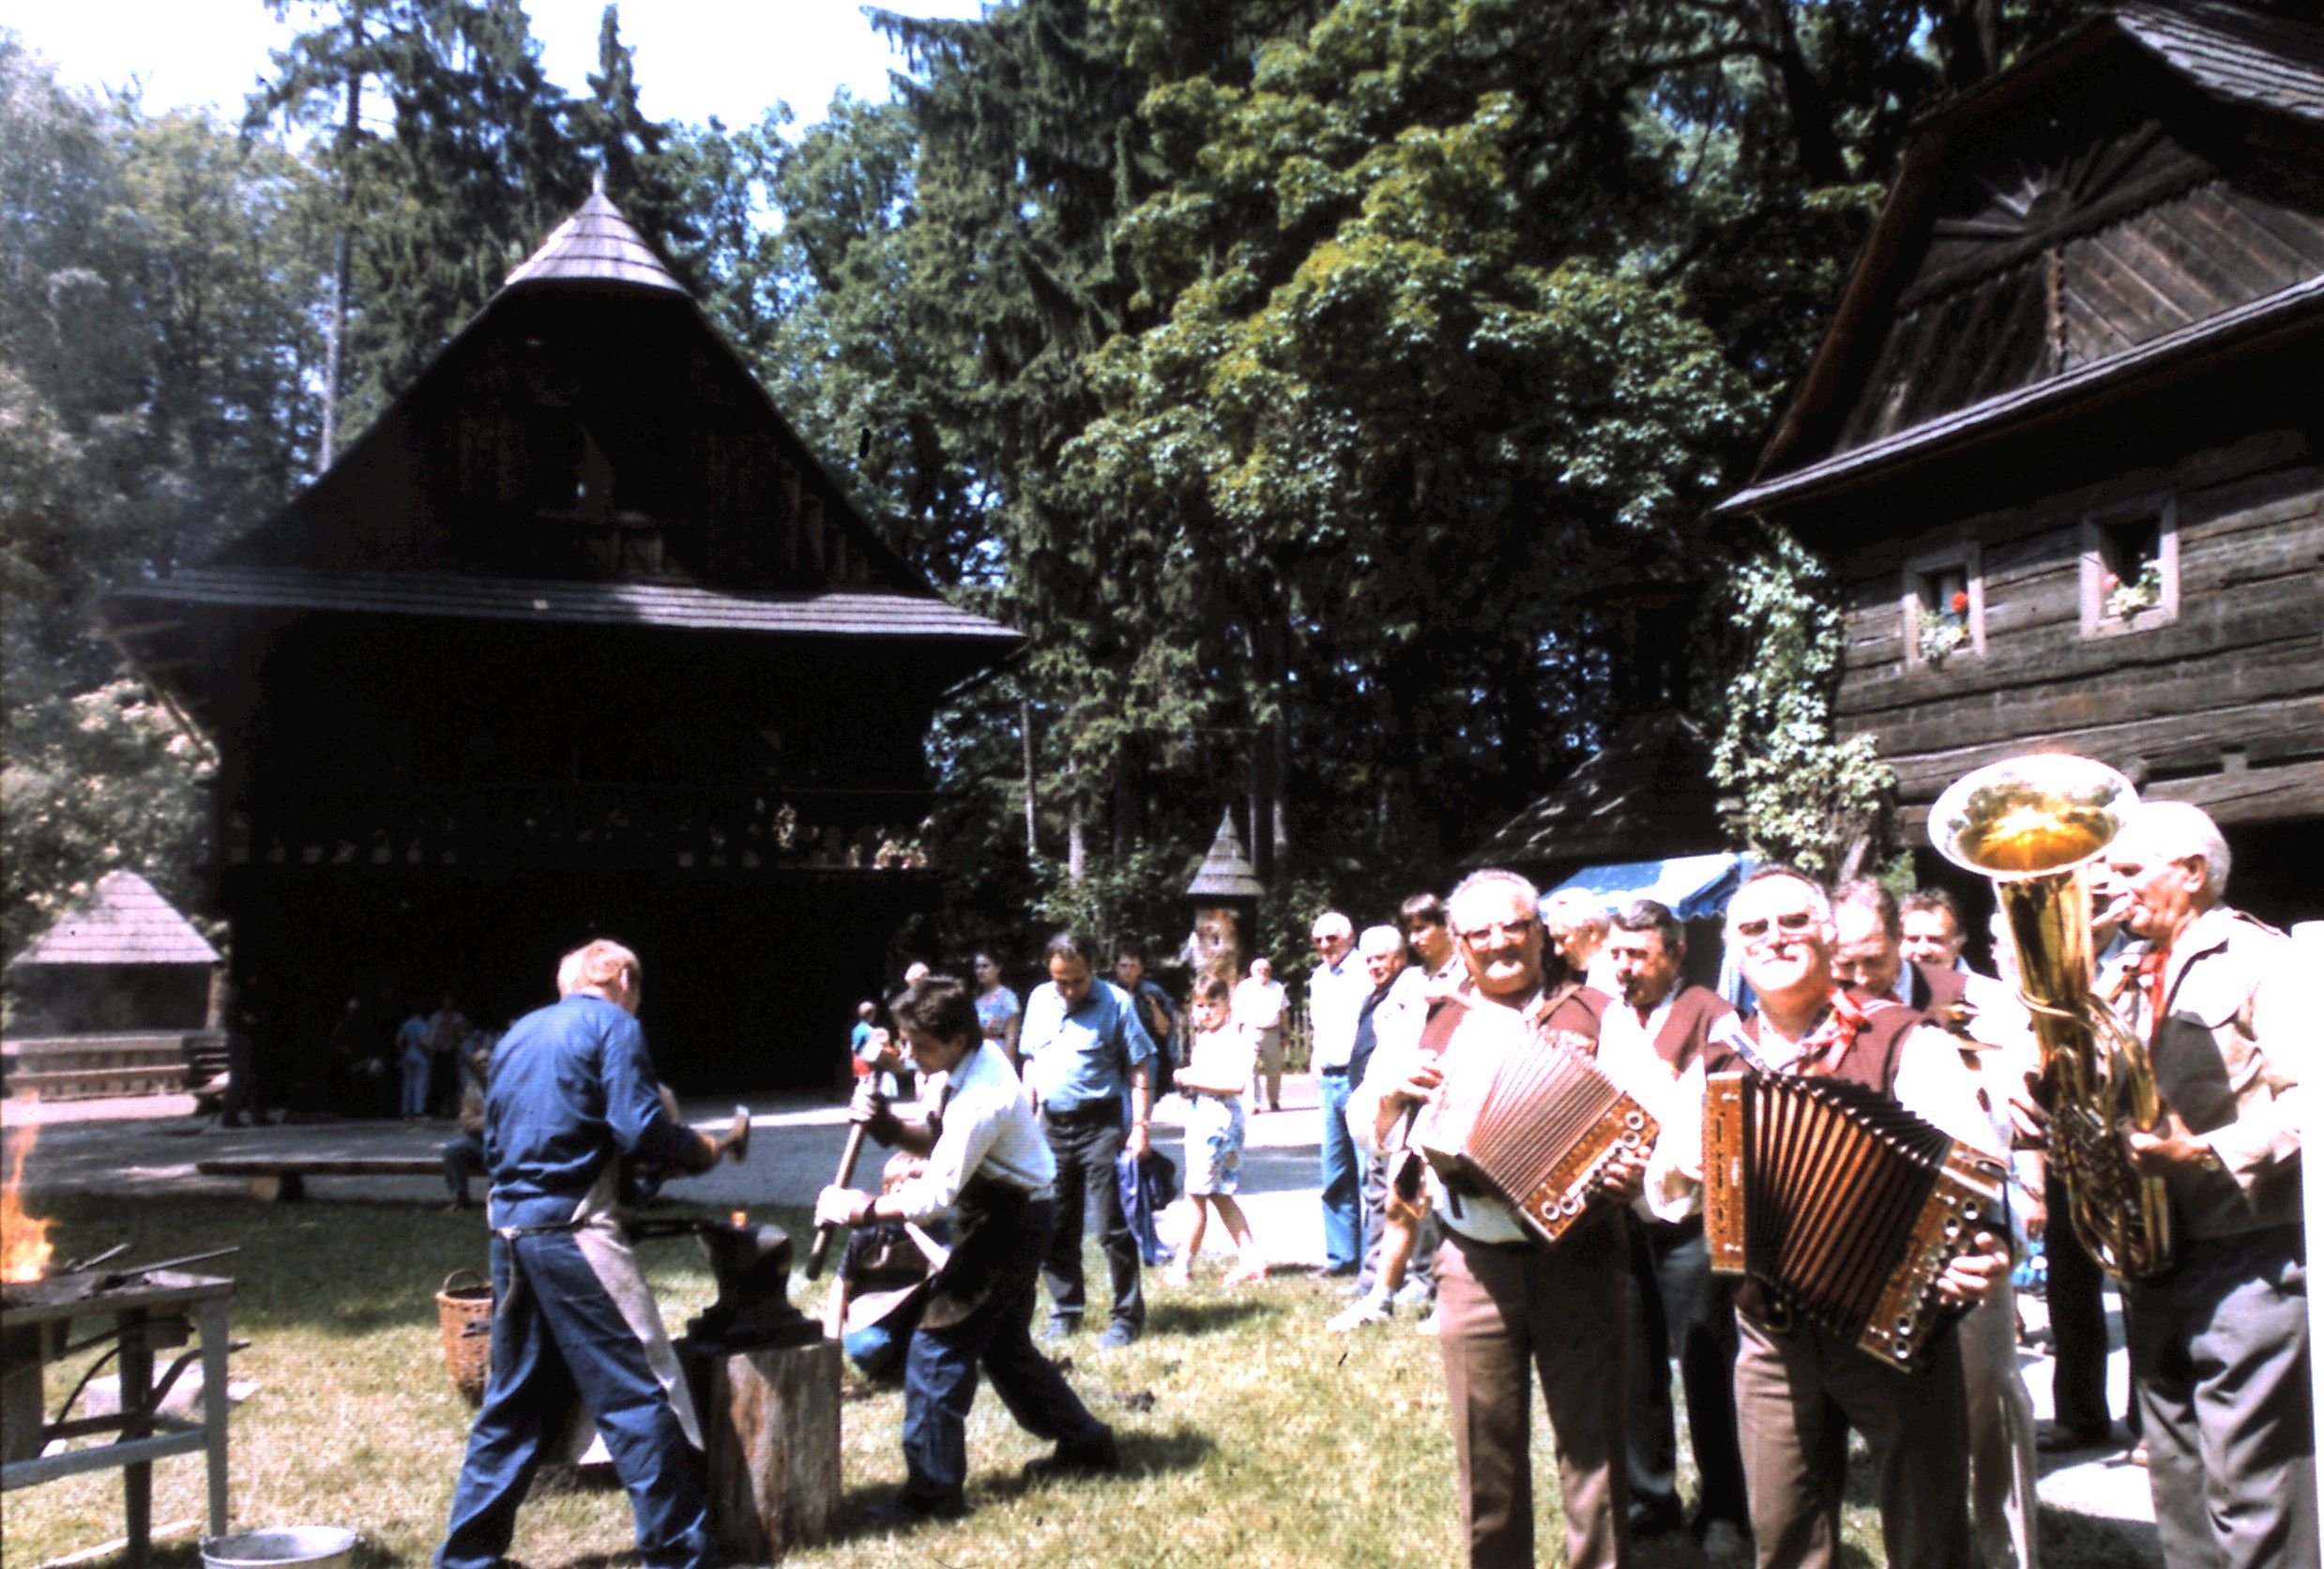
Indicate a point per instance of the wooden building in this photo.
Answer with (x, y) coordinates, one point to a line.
(121, 959)
(2062, 440)
(577, 639)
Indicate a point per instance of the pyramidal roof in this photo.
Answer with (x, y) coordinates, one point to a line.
(595, 245)
(1226, 871)
(124, 922)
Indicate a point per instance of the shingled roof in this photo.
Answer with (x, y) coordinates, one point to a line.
(2235, 54)
(831, 612)
(1648, 794)
(595, 244)
(124, 922)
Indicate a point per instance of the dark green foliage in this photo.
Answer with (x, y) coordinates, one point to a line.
(157, 349)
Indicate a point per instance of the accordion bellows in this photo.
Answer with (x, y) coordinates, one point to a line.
(1842, 1205)
(1527, 1119)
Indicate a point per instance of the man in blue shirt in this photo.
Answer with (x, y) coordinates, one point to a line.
(1083, 1045)
(1336, 990)
(573, 1092)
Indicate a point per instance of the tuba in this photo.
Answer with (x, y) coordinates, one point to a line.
(2034, 825)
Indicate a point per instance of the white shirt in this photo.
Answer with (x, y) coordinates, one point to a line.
(1335, 995)
(989, 1130)
(1626, 1054)
(1258, 1003)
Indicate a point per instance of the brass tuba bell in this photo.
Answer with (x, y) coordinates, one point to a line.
(2035, 825)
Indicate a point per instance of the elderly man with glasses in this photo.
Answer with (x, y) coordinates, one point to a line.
(1509, 1307)
(1798, 1389)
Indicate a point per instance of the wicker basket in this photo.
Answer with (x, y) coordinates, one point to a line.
(464, 1310)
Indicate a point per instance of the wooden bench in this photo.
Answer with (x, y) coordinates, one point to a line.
(283, 1178)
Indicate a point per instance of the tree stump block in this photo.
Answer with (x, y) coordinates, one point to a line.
(770, 1433)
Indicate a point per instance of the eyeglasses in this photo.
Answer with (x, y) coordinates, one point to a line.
(1326, 942)
(1791, 922)
(1498, 931)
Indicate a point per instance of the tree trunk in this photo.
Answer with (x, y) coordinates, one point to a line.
(1262, 841)
(1814, 135)
(1076, 840)
(1032, 791)
(335, 342)
(1279, 775)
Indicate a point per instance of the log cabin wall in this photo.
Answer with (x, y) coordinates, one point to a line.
(2214, 695)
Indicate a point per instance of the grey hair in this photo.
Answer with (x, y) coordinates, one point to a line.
(1576, 907)
(1494, 876)
(2180, 828)
(1380, 940)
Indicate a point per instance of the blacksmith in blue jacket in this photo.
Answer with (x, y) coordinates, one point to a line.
(572, 1093)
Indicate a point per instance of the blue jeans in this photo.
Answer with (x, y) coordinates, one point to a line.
(415, 1069)
(557, 1333)
(1343, 1177)
(1086, 1149)
(940, 1377)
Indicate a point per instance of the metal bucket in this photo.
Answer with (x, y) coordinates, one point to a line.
(311, 1546)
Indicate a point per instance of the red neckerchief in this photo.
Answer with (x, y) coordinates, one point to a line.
(1845, 1019)
(2153, 965)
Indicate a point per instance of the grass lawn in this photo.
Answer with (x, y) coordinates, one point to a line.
(1268, 1443)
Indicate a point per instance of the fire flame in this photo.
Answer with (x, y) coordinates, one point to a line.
(24, 1246)
(740, 1220)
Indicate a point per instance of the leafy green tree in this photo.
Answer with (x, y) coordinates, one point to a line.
(645, 167)
(462, 159)
(158, 344)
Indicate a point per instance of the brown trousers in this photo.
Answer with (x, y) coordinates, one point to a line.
(1504, 1314)
(1796, 1397)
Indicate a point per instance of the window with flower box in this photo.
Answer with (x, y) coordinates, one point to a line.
(1944, 608)
(2129, 568)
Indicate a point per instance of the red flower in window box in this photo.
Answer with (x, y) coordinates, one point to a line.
(1960, 601)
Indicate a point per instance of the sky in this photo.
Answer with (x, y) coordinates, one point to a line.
(695, 58)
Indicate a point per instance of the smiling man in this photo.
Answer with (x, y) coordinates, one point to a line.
(2219, 1346)
(1508, 1306)
(1796, 1385)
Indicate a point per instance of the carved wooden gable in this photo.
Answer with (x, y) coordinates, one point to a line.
(2065, 233)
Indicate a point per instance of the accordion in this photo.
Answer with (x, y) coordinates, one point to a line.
(1841, 1206)
(1526, 1120)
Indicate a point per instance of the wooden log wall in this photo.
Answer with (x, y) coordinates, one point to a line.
(2223, 706)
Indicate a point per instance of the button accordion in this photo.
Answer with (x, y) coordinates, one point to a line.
(1841, 1206)
(1528, 1119)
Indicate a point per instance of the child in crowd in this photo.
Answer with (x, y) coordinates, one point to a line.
(1219, 1062)
(875, 1302)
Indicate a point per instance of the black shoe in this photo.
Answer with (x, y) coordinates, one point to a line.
(2058, 1440)
(904, 1512)
(1652, 1515)
(1091, 1456)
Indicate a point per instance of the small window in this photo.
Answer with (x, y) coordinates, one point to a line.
(2130, 569)
(1944, 608)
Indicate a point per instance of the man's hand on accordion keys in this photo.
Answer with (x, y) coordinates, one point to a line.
(1625, 1175)
(1974, 1275)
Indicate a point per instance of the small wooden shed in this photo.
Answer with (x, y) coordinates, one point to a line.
(2062, 443)
(121, 960)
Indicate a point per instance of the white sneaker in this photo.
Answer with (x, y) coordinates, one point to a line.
(1428, 1325)
(1362, 1311)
